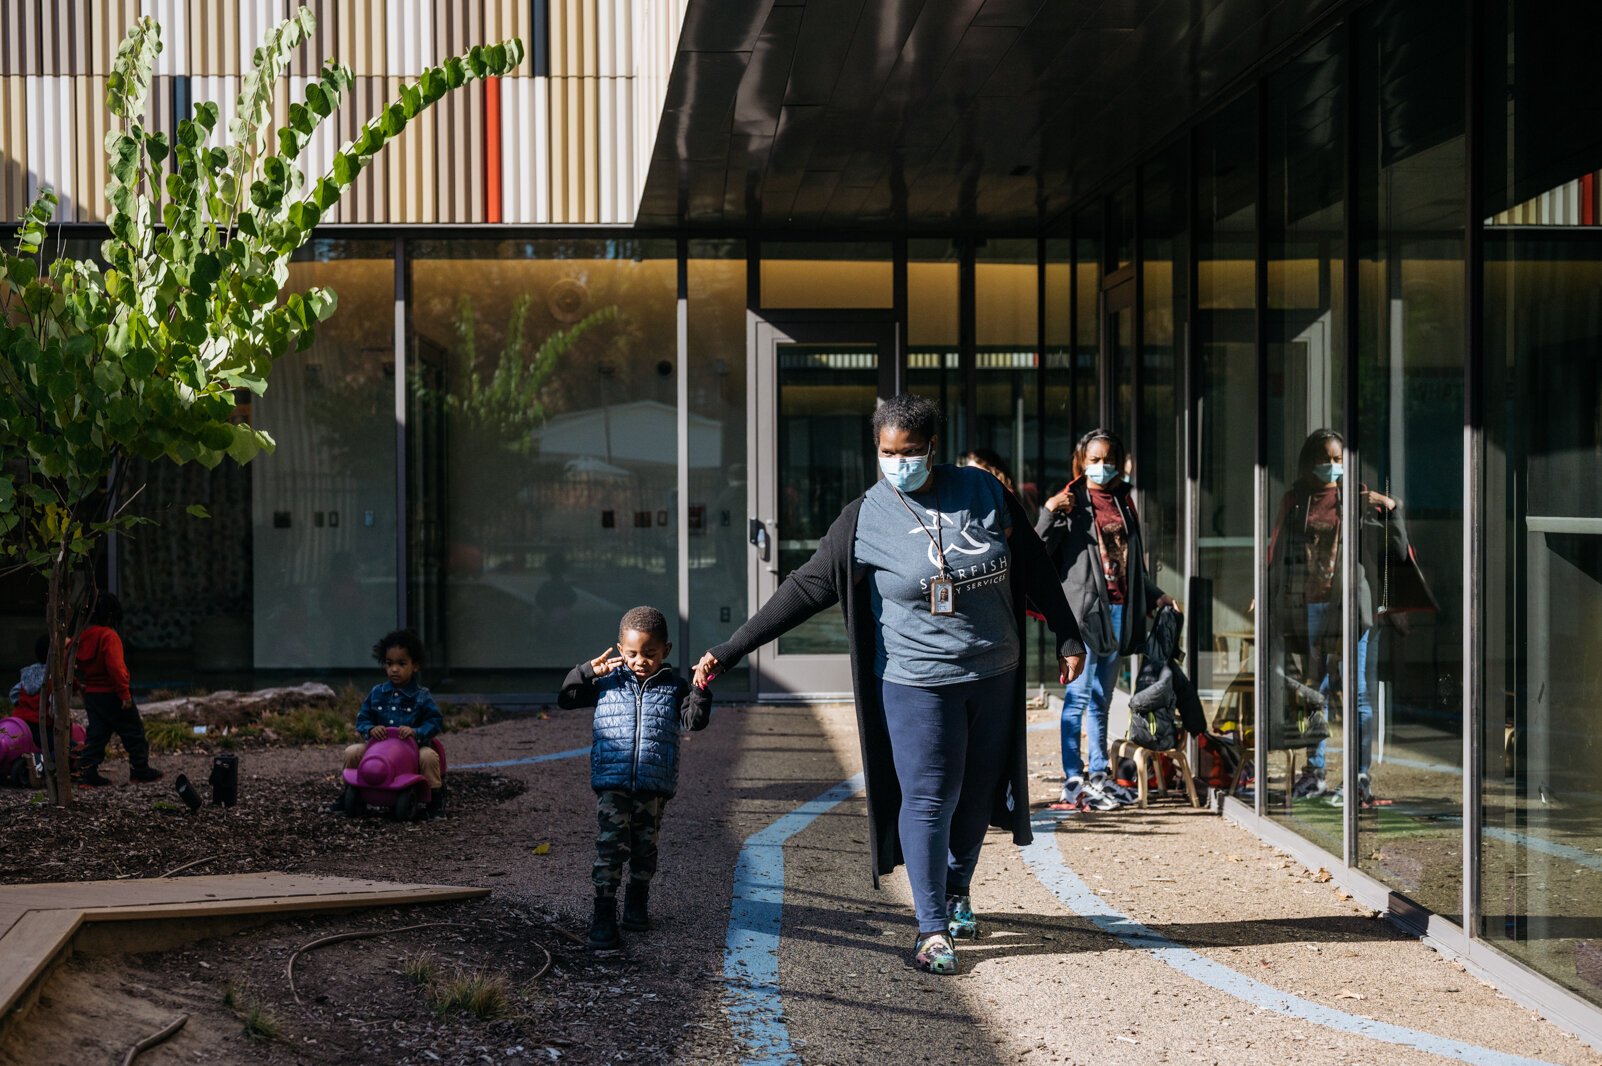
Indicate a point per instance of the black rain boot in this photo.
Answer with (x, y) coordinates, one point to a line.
(636, 918)
(603, 928)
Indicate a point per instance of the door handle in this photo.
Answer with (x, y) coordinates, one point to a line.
(758, 535)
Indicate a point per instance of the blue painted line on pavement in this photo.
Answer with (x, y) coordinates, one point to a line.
(1548, 847)
(1045, 861)
(751, 952)
(553, 756)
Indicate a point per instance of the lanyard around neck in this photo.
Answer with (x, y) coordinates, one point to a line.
(937, 539)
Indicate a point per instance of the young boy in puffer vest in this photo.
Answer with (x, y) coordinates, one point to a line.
(641, 706)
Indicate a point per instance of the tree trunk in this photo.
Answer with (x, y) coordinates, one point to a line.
(57, 718)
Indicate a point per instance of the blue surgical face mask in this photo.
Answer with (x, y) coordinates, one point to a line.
(905, 472)
(1101, 473)
(1328, 472)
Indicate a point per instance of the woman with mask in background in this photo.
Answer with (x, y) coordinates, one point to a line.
(1092, 534)
(932, 566)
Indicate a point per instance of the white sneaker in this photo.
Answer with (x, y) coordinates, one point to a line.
(1309, 783)
(1096, 796)
(1124, 795)
(1072, 790)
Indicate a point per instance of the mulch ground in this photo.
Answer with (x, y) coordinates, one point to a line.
(359, 1004)
(361, 1001)
(281, 823)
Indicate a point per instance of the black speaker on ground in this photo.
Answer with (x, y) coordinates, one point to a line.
(225, 779)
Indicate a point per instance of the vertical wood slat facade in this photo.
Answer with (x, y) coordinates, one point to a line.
(568, 148)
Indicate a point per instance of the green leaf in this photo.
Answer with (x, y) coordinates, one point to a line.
(20, 270)
(326, 194)
(244, 447)
(195, 510)
(317, 99)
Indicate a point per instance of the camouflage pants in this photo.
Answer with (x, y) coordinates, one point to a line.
(629, 824)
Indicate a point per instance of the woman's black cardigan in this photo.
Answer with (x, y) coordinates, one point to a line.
(826, 579)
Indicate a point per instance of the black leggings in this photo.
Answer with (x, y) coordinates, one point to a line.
(950, 745)
(107, 716)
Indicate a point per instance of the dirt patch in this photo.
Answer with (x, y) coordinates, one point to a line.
(370, 1000)
(281, 823)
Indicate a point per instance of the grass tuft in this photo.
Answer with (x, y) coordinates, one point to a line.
(230, 994)
(169, 734)
(481, 994)
(311, 725)
(259, 1025)
(420, 969)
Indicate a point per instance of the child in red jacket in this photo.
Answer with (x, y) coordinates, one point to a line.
(103, 678)
(25, 694)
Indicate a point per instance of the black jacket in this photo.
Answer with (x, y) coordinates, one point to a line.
(1069, 534)
(825, 580)
(1161, 684)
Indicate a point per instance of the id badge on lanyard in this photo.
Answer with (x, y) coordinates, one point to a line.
(942, 596)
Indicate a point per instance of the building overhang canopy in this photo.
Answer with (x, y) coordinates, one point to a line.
(935, 114)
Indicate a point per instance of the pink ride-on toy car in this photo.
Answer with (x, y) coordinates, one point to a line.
(17, 748)
(388, 777)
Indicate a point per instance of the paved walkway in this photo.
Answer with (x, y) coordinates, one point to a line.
(1167, 935)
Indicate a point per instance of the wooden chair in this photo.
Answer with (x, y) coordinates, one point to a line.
(1143, 758)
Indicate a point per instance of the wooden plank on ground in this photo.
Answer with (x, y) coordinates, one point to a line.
(37, 921)
(28, 947)
(216, 908)
(185, 890)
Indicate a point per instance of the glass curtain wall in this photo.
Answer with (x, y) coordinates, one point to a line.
(1305, 338)
(1058, 374)
(1409, 204)
(295, 568)
(1007, 385)
(934, 337)
(1165, 287)
(1007, 346)
(1221, 597)
(719, 496)
(1088, 253)
(544, 440)
(1541, 846)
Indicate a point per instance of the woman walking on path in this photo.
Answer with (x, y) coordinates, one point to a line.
(932, 567)
(1092, 534)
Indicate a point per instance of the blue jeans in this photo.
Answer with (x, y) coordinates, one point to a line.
(1327, 664)
(1092, 690)
(950, 745)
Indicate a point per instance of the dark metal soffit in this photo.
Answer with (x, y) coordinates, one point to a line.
(934, 114)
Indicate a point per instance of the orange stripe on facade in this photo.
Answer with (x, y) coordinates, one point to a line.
(492, 149)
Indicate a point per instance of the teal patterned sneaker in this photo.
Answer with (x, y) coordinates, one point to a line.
(960, 920)
(934, 954)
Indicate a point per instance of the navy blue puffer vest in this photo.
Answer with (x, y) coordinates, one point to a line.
(637, 725)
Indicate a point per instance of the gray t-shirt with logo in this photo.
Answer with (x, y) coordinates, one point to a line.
(913, 646)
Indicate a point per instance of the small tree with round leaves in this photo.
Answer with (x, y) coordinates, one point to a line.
(142, 358)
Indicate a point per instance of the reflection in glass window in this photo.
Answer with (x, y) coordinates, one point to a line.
(1220, 600)
(1159, 455)
(1541, 850)
(1306, 410)
(719, 497)
(795, 274)
(544, 447)
(934, 307)
(295, 568)
(1409, 350)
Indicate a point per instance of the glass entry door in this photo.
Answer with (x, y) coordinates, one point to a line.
(814, 391)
